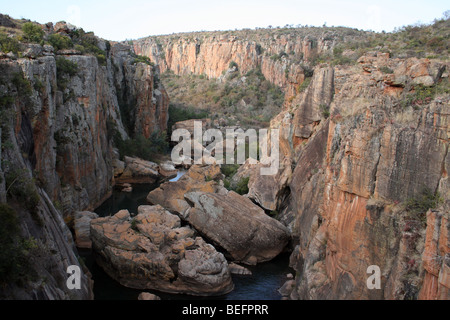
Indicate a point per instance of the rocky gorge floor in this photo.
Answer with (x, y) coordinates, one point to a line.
(162, 246)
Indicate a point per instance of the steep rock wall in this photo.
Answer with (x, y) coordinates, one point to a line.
(57, 150)
(377, 155)
(278, 56)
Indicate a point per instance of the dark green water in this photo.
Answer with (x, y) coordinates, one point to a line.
(263, 284)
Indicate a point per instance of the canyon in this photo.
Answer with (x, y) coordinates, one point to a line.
(363, 144)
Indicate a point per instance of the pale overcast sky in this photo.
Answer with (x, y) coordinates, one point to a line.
(131, 19)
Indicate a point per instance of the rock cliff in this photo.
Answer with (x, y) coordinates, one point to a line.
(279, 56)
(357, 173)
(359, 143)
(60, 110)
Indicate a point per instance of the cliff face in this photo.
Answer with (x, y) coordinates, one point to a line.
(356, 146)
(71, 127)
(212, 54)
(60, 111)
(354, 174)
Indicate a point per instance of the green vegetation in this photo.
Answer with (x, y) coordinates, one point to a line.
(14, 250)
(233, 65)
(278, 56)
(242, 186)
(22, 188)
(66, 67)
(422, 95)
(22, 84)
(87, 43)
(425, 200)
(134, 223)
(249, 99)
(386, 69)
(229, 170)
(8, 44)
(32, 32)
(325, 110)
(64, 70)
(181, 113)
(6, 100)
(305, 84)
(419, 40)
(60, 42)
(142, 59)
(146, 149)
(335, 58)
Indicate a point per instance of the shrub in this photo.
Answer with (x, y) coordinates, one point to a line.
(64, 69)
(60, 42)
(325, 109)
(20, 186)
(22, 84)
(229, 170)
(141, 147)
(232, 65)
(242, 186)
(143, 59)
(8, 44)
(179, 113)
(14, 251)
(32, 32)
(89, 42)
(425, 200)
(423, 95)
(386, 69)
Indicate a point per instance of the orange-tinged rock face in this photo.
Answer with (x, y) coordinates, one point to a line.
(435, 257)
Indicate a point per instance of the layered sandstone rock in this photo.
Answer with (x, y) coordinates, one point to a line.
(231, 221)
(138, 171)
(60, 125)
(278, 56)
(82, 228)
(170, 194)
(237, 225)
(436, 256)
(153, 251)
(352, 177)
(72, 125)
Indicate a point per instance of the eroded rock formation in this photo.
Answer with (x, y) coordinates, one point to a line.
(153, 251)
(224, 217)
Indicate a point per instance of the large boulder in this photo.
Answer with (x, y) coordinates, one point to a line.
(266, 190)
(167, 170)
(170, 195)
(82, 228)
(137, 171)
(153, 251)
(237, 225)
(228, 219)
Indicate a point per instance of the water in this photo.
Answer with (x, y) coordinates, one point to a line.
(263, 284)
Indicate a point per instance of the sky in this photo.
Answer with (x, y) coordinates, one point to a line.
(131, 19)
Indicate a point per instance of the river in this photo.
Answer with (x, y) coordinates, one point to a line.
(263, 284)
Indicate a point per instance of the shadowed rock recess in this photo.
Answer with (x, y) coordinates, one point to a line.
(364, 161)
